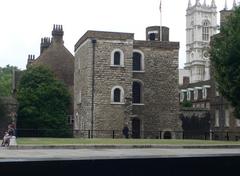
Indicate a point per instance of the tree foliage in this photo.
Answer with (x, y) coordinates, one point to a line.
(225, 60)
(2, 109)
(43, 102)
(186, 104)
(6, 80)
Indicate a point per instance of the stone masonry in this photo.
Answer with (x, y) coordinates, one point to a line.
(95, 77)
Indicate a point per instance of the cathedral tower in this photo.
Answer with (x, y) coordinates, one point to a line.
(201, 24)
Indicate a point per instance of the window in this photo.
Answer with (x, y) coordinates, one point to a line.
(205, 31)
(204, 93)
(208, 105)
(195, 94)
(188, 95)
(117, 95)
(227, 118)
(152, 36)
(238, 122)
(182, 96)
(138, 61)
(216, 118)
(117, 58)
(137, 92)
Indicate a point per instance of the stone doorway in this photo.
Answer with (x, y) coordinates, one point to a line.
(167, 135)
(136, 128)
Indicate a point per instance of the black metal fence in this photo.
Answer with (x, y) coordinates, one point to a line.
(115, 134)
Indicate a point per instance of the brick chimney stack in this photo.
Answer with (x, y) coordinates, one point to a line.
(45, 43)
(57, 34)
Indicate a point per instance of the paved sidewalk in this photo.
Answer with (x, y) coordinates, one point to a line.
(76, 154)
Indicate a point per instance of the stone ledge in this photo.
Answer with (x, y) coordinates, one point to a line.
(124, 146)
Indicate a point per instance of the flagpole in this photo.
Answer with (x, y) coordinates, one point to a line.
(160, 9)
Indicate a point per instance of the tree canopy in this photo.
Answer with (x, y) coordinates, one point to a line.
(2, 109)
(6, 80)
(43, 102)
(225, 60)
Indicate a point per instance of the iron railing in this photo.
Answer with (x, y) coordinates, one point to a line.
(114, 134)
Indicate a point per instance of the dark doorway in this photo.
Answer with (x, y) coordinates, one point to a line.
(135, 128)
(167, 135)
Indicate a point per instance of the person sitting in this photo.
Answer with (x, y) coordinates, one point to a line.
(6, 140)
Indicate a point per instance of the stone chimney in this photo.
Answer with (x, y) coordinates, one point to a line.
(57, 34)
(31, 59)
(45, 43)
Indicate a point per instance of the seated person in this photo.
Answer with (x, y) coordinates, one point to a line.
(6, 140)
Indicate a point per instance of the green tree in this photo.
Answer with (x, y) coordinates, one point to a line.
(43, 102)
(186, 104)
(225, 60)
(6, 80)
(2, 110)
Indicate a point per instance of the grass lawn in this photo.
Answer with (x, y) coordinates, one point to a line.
(76, 141)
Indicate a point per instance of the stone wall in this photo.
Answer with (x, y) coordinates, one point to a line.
(110, 116)
(83, 86)
(159, 108)
(160, 84)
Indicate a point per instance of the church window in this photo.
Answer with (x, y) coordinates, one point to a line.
(137, 92)
(138, 61)
(117, 58)
(117, 95)
(205, 31)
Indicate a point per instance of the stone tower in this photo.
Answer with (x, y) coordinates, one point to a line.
(201, 24)
(121, 81)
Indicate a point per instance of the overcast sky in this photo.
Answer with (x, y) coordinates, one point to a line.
(25, 22)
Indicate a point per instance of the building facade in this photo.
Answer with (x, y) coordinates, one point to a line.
(119, 81)
(201, 24)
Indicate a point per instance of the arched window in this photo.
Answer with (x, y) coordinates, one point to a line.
(117, 58)
(205, 31)
(137, 92)
(138, 60)
(117, 95)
